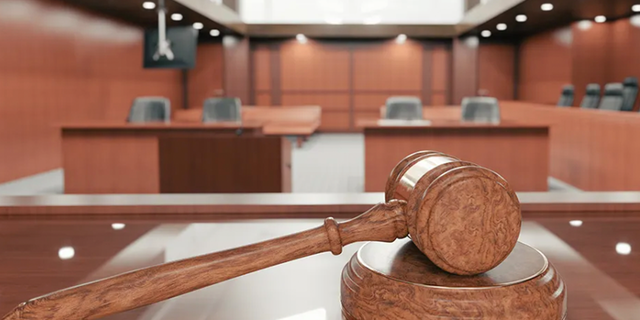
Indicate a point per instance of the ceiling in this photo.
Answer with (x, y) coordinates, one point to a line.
(132, 11)
(563, 13)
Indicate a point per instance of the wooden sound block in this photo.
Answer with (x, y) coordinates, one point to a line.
(396, 281)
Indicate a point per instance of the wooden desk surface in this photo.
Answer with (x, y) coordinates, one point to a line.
(159, 126)
(602, 284)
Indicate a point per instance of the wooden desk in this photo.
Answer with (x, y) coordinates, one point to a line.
(298, 121)
(174, 158)
(519, 152)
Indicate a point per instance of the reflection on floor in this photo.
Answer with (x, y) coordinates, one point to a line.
(327, 163)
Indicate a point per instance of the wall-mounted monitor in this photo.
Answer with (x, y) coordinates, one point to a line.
(183, 44)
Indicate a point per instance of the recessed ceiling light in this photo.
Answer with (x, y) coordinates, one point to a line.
(575, 223)
(214, 32)
(118, 226)
(600, 19)
(401, 38)
(301, 38)
(521, 18)
(198, 25)
(485, 33)
(501, 26)
(149, 5)
(372, 20)
(66, 253)
(635, 8)
(546, 7)
(623, 248)
(176, 17)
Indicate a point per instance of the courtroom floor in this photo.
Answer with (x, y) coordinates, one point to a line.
(327, 163)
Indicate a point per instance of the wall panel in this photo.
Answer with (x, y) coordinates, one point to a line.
(465, 68)
(388, 66)
(590, 57)
(205, 80)
(314, 67)
(496, 70)
(87, 70)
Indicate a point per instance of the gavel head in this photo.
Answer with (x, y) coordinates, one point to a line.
(464, 218)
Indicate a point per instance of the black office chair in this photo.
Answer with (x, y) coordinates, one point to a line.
(150, 109)
(222, 110)
(629, 93)
(404, 108)
(481, 110)
(566, 98)
(591, 99)
(613, 98)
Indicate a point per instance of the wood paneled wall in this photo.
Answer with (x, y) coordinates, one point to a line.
(465, 68)
(496, 70)
(237, 67)
(544, 66)
(350, 80)
(205, 80)
(59, 64)
(578, 54)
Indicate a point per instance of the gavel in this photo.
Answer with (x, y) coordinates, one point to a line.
(464, 218)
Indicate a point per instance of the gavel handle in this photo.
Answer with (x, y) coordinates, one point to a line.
(384, 222)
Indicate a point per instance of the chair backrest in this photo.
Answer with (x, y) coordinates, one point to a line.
(566, 98)
(591, 99)
(612, 99)
(404, 108)
(150, 109)
(222, 110)
(480, 109)
(629, 93)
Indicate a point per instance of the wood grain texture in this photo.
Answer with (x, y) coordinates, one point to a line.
(313, 67)
(525, 286)
(237, 73)
(456, 205)
(115, 163)
(441, 75)
(590, 57)
(465, 69)
(593, 150)
(496, 74)
(206, 79)
(384, 222)
(261, 55)
(87, 70)
(623, 52)
(388, 66)
(183, 158)
(223, 164)
(520, 154)
(335, 121)
(545, 66)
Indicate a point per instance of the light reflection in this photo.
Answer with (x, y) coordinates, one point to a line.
(66, 253)
(623, 248)
(402, 38)
(575, 223)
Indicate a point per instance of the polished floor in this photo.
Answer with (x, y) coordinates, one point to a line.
(327, 163)
(597, 259)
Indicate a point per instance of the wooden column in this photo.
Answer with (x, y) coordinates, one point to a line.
(237, 71)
